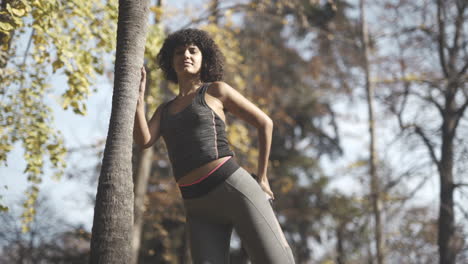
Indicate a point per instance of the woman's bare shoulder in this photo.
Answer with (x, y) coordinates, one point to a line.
(219, 89)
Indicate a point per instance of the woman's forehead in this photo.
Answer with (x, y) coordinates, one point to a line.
(184, 46)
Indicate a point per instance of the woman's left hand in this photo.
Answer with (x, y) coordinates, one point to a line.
(142, 87)
(266, 187)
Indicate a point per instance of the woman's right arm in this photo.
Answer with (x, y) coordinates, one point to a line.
(145, 133)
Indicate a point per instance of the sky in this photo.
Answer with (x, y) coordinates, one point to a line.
(71, 196)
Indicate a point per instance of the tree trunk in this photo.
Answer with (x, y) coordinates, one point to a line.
(451, 114)
(113, 212)
(446, 230)
(143, 172)
(340, 253)
(374, 186)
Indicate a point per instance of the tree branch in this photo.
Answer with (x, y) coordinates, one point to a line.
(441, 37)
(431, 100)
(409, 196)
(463, 69)
(460, 184)
(28, 46)
(407, 79)
(461, 111)
(399, 112)
(428, 144)
(219, 11)
(465, 213)
(409, 173)
(453, 51)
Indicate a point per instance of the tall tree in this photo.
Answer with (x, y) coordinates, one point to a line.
(113, 213)
(374, 179)
(430, 94)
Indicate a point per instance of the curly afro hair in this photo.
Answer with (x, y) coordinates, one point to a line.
(212, 68)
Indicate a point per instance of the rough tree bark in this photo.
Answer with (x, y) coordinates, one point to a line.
(113, 212)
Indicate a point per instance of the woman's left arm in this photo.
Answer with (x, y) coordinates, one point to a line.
(241, 107)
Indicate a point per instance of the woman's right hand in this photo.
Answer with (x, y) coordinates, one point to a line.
(141, 96)
(266, 188)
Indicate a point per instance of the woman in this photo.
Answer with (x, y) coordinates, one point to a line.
(219, 195)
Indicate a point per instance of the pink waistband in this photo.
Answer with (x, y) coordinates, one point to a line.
(209, 173)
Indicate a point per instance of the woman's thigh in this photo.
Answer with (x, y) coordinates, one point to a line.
(209, 242)
(255, 221)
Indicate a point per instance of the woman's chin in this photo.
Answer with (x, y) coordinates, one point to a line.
(189, 72)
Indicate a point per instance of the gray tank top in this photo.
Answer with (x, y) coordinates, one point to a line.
(194, 136)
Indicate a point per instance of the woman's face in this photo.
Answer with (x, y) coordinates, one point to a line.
(187, 59)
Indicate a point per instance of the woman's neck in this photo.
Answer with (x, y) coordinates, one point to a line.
(189, 85)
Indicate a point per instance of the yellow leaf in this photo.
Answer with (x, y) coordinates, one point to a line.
(57, 65)
(26, 5)
(5, 27)
(66, 102)
(3, 208)
(156, 10)
(358, 164)
(18, 12)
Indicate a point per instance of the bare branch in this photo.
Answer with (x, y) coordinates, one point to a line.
(205, 16)
(462, 209)
(461, 110)
(463, 69)
(417, 129)
(399, 112)
(428, 144)
(409, 196)
(409, 173)
(407, 79)
(428, 98)
(460, 184)
(28, 46)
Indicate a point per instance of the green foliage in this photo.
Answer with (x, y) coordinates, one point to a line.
(67, 37)
(154, 40)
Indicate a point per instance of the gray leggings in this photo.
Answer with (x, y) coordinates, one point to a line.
(239, 203)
